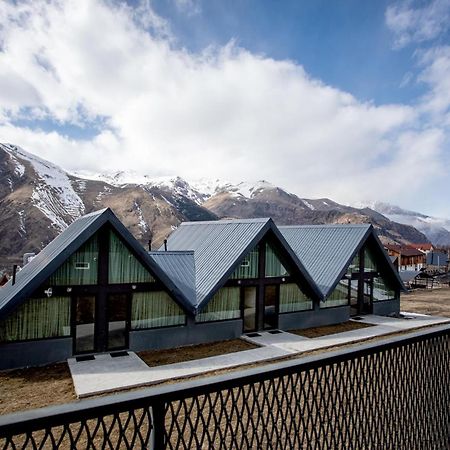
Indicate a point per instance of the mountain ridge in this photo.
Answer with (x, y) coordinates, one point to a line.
(39, 199)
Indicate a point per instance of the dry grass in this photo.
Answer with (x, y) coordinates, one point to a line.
(331, 329)
(191, 352)
(427, 301)
(35, 387)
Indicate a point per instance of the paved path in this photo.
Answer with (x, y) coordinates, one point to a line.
(107, 374)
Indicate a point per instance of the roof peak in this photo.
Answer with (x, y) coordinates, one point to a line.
(226, 221)
(330, 225)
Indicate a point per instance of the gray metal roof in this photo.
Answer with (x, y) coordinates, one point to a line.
(326, 250)
(219, 246)
(180, 268)
(408, 275)
(62, 247)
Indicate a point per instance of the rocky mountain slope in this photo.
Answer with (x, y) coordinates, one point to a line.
(39, 199)
(266, 200)
(437, 230)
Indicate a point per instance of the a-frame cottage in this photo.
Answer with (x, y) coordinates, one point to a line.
(96, 289)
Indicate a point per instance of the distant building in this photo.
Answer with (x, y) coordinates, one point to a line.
(409, 258)
(437, 261)
(424, 247)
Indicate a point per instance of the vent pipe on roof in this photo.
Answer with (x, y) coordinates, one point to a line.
(14, 274)
(165, 245)
(149, 245)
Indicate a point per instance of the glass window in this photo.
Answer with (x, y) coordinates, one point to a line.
(80, 268)
(248, 267)
(38, 318)
(274, 268)
(381, 291)
(223, 306)
(123, 265)
(370, 264)
(293, 299)
(339, 297)
(155, 309)
(354, 266)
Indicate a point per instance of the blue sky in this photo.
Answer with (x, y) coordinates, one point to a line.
(342, 99)
(346, 44)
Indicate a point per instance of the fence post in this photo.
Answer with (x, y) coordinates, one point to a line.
(159, 426)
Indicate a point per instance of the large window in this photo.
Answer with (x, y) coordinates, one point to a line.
(38, 318)
(80, 268)
(381, 291)
(155, 309)
(224, 305)
(339, 296)
(274, 268)
(248, 268)
(293, 299)
(123, 266)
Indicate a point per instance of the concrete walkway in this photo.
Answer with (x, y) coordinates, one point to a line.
(107, 374)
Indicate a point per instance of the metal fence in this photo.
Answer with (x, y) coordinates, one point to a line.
(390, 394)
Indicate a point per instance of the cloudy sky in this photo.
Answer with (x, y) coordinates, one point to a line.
(347, 99)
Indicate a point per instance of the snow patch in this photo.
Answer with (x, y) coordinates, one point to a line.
(53, 193)
(142, 224)
(22, 228)
(311, 207)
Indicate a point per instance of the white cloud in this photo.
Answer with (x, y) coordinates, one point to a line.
(417, 24)
(189, 7)
(223, 113)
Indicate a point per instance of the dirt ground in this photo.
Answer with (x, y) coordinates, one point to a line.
(330, 329)
(35, 387)
(435, 302)
(174, 355)
(43, 386)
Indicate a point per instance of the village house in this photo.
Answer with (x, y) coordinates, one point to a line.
(409, 258)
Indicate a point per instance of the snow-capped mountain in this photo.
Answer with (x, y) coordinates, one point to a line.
(39, 199)
(435, 229)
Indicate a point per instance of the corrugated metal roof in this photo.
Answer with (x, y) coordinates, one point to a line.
(408, 275)
(180, 268)
(217, 245)
(325, 250)
(62, 247)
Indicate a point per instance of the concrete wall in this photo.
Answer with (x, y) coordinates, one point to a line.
(190, 334)
(314, 318)
(34, 353)
(387, 307)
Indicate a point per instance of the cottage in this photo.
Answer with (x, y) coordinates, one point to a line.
(349, 266)
(409, 258)
(96, 289)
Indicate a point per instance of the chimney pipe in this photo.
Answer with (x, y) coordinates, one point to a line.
(14, 274)
(165, 245)
(149, 245)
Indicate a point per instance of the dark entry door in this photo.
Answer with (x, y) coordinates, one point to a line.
(98, 326)
(270, 308)
(85, 326)
(117, 318)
